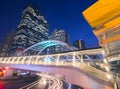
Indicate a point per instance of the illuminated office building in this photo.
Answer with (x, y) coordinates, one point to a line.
(80, 44)
(60, 35)
(33, 28)
(5, 48)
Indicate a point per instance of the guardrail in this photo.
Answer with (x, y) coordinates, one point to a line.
(85, 67)
(117, 79)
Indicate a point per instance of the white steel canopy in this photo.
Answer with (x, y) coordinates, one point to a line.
(39, 47)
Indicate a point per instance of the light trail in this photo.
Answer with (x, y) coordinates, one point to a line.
(51, 81)
(69, 86)
(36, 84)
(29, 84)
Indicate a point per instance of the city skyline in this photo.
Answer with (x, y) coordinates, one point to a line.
(37, 57)
(67, 16)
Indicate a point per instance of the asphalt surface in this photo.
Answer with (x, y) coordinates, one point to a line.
(16, 83)
(21, 82)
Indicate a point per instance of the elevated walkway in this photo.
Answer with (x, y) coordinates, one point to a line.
(69, 64)
(76, 73)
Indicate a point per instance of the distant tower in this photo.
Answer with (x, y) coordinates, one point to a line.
(33, 28)
(60, 35)
(5, 48)
(80, 44)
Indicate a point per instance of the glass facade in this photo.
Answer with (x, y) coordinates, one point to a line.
(80, 44)
(60, 35)
(33, 28)
(5, 48)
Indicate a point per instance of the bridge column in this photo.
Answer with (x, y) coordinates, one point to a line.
(67, 57)
(46, 58)
(23, 60)
(8, 60)
(36, 62)
(18, 60)
(29, 59)
(81, 58)
(73, 60)
(57, 61)
(4, 60)
(13, 59)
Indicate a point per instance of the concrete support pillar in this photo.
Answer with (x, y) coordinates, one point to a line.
(46, 59)
(8, 60)
(36, 61)
(57, 60)
(82, 58)
(67, 57)
(78, 57)
(5, 59)
(13, 59)
(18, 60)
(23, 59)
(73, 60)
(29, 60)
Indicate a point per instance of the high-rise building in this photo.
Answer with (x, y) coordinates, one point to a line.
(33, 28)
(5, 48)
(80, 44)
(60, 35)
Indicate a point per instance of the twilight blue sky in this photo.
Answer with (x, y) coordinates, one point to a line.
(60, 14)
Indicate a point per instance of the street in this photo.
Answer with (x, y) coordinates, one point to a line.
(36, 82)
(16, 83)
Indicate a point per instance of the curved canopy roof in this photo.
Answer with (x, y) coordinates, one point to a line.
(39, 47)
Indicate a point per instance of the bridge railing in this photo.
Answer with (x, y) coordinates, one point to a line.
(117, 79)
(38, 61)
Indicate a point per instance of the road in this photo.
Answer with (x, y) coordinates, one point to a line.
(50, 82)
(45, 82)
(41, 82)
(16, 83)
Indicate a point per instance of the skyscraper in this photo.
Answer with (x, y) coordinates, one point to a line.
(33, 28)
(5, 48)
(60, 35)
(80, 44)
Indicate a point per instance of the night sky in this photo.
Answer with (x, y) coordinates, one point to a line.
(60, 14)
